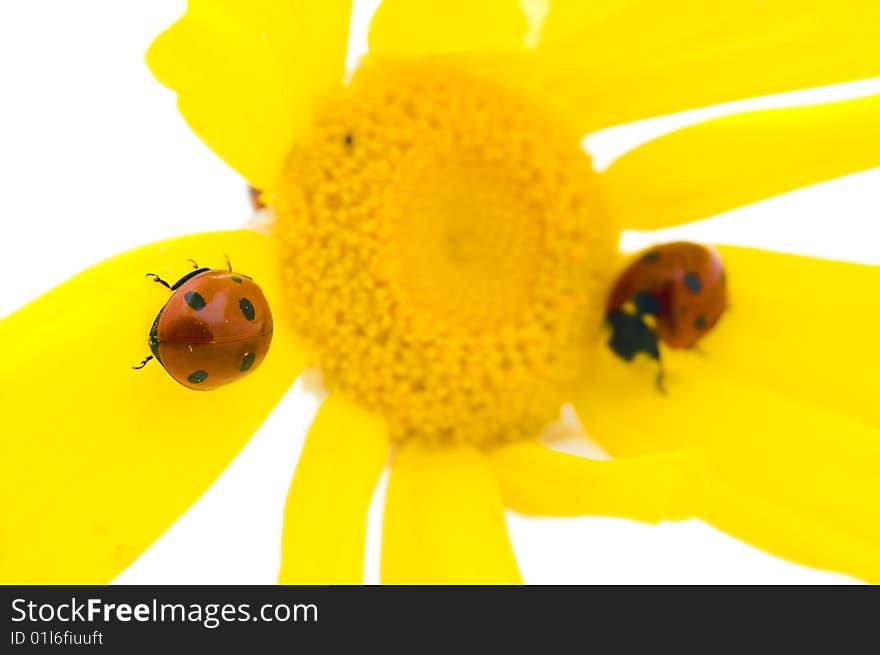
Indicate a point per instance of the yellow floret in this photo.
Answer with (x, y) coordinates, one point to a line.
(447, 253)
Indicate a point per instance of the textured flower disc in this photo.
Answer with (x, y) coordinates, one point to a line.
(447, 253)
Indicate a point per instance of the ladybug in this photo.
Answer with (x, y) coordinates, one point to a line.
(215, 328)
(675, 293)
(256, 198)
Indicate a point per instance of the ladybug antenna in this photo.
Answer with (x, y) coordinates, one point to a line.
(195, 265)
(142, 364)
(228, 263)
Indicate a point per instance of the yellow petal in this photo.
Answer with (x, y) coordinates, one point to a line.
(97, 459)
(798, 325)
(792, 478)
(537, 480)
(325, 519)
(426, 27)
(444, 520)
(614, 62)
(250, 74)
(804, 538)
(723, 163)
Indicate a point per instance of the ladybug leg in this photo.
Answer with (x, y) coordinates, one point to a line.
(229, 268)
(143, 363)
(158, 280)
(193, 262)
(660, 380)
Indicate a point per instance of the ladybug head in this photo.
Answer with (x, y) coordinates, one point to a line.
(631, 335)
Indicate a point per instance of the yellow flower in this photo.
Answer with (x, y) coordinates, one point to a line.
(441, 251)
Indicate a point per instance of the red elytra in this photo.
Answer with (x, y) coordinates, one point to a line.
(682, 285)
(215, 329)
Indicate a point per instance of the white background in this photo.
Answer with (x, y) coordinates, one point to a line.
(94, 159)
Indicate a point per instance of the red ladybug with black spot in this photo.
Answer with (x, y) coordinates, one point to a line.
(215, 328)
(675, 293)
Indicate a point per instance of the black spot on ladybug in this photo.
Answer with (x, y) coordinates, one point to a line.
(651, 257)
(692, 282)
(700, 322)
(197, 377)
(247, 309)
(247, 361)
(647, 303)
(194, 300)
(235, 278)
(349, 139)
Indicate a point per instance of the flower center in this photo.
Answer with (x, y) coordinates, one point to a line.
(447, 253)
(468, 253)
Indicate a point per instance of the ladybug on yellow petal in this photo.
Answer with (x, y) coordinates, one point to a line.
(215, 328)
(674, 293)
